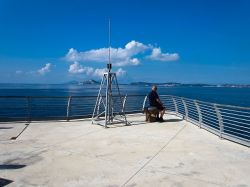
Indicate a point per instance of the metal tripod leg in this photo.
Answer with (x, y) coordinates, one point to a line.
(109, 104)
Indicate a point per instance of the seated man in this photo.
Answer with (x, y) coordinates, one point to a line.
(155, 101)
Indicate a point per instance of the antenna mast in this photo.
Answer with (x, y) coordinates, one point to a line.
(109, 107)
(109, 65)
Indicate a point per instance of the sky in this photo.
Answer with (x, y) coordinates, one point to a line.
(186, 41)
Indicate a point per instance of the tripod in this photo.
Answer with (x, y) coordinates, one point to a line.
(109, 105)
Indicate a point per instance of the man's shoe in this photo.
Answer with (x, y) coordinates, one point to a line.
(161, 119)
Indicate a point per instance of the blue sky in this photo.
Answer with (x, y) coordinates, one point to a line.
(152, 40)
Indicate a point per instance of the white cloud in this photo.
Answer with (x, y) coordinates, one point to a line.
(130, 55)
(120, 72)
(99, 72)
(19, 72)
(119, 56)
(77, 68)
(44, 69)
(157, 55)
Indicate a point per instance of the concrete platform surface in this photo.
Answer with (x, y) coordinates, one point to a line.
(76, 153)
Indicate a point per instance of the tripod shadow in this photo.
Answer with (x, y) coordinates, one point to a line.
(6, 127)
(11, 166)
(5, 182)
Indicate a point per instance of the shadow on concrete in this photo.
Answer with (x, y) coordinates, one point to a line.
(6, 128)
(4, 182)
(11, 166)
(172, 120)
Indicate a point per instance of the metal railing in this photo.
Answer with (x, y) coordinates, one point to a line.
(226, 121)
(21, 108)
(229, 122)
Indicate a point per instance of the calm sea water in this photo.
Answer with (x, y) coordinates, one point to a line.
(231, 96)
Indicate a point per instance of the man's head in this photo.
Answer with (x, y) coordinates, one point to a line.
(154, 88)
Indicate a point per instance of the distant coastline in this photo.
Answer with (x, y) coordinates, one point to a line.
(166, 84)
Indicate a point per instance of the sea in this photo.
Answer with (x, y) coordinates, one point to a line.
(221, 95)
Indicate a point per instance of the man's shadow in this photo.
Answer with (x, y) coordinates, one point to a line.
(172, 120)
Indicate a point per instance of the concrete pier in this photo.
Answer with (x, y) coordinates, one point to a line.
(76, 153)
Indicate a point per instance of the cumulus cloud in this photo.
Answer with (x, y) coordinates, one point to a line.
(45, 69)
(157, 55)
(77, 68)
(130, 54)
(119, 56)
(99, 72)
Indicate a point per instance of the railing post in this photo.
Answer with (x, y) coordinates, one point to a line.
(185, 108)
(124, 102)
(98, 106)
(199, 112)
(175, 105)
(144, 102)
(29, 109)
(220, 119)
(68, 108)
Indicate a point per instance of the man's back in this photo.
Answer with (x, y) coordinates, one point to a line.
(152, 97)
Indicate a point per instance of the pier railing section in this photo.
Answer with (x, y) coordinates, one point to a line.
(21, 108)
(226, 121)
(229, 122)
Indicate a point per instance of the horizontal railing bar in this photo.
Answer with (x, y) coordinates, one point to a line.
(190, 102)
(226, 116)
(212, 114)
(238, 111)
(210, 123)
(238, 133)
(225, 122)
(192, 115)
(216, 124)
(210, 120)
(192, 109)
(211, 128)
(15, 108)
(215, 119)
(236, 122)
(207, 113)
(226, 127)
(234, 114)
(236, 138)
(212, 110)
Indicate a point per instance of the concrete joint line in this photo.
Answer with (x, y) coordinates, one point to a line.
(157, 153)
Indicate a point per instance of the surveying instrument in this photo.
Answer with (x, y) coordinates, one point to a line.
(109, 107)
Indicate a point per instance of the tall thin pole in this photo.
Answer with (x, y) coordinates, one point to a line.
(109, 89)
(109, 44)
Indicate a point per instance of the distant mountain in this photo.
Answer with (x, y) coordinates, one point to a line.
(174, 84)
(159, 84)
(83, 82)
(71, 82)
(89, 82)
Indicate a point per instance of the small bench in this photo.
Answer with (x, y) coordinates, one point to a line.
(151, 113)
